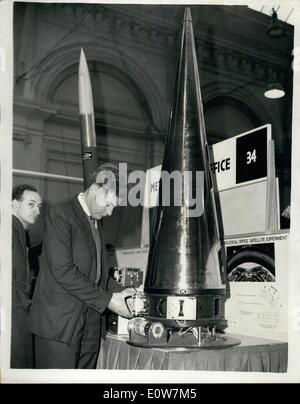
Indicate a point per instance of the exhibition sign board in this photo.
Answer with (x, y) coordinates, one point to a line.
(151, 186)
(258, 278)
(244, 168)
(241, 159)
(244, 209)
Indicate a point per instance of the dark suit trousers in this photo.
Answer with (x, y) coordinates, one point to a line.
(83, 351)
(22, 354)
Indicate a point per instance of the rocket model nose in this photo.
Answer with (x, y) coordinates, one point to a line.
(84, 87)
(187, 15)
(82, 57)
(86, 113)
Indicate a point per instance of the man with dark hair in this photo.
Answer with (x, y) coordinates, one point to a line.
(109, 174)
(26, 203)
(72, 290)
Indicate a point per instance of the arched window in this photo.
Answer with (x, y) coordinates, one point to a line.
(226, 117)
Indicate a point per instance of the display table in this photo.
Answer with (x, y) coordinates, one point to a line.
(252, 355)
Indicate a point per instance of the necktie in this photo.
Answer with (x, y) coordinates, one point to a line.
(94, 221)
(93, 224)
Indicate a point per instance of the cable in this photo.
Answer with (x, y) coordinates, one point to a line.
(132, 285)
(289, 14)
(181, 323)
(181, 332)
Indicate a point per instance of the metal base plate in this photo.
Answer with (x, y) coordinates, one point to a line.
(187, 342)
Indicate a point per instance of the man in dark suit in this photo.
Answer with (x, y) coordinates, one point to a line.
(26, 203)
(72, 289)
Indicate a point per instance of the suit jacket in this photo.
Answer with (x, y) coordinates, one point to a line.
(20, 269)
(65, 285)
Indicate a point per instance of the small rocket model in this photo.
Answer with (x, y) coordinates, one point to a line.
(86, 111)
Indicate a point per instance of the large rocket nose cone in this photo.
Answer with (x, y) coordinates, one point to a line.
(187, 15)
(184, 252)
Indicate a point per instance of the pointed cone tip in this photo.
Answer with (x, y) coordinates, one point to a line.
(187, 14)
(82, 54)
(82, 61)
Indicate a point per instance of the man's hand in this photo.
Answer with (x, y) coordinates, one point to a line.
(287, 212)
(121, 303)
